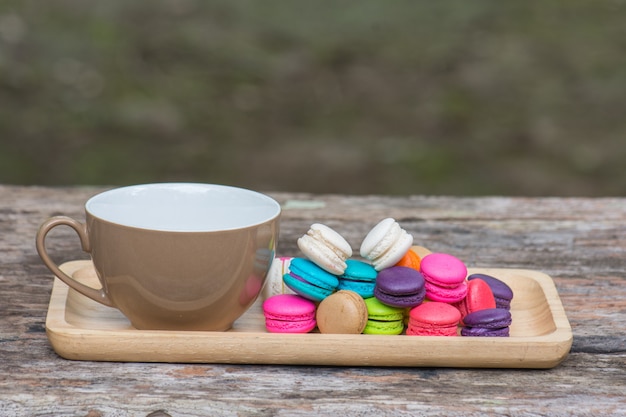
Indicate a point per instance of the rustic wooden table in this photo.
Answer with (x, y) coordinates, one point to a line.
(580, 242)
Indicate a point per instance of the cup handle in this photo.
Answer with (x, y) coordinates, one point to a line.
(96, 295)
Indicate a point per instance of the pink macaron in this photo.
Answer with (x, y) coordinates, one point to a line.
(479, 297)
(289, 313)
(433, 319)
(445, 277)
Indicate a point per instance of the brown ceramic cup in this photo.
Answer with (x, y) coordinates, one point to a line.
(175, 256)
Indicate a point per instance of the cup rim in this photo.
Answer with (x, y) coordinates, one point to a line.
(272, 207)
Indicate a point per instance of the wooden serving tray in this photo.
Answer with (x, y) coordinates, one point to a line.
(81, 329)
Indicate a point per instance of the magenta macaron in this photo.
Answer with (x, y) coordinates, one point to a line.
(289, 313)
(445, 277)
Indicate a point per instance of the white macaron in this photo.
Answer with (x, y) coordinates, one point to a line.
(326, 248)
(274, 284)
(386, 244)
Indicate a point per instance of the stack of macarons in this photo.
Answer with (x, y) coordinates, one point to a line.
(395, 286)
(445, 277)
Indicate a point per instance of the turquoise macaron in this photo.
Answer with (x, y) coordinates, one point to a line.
(309, 280)
(359, 277)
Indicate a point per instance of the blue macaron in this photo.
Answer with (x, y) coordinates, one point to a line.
(309, 280)
(359, 277)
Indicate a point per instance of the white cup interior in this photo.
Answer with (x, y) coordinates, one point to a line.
(183, 207)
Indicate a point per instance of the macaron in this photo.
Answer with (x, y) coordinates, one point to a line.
(399, 286)
(309, 280)
(274, 283)
(359, 277)
(410, 259)
(383, 319)
(433, 319)
(289, 313)
(343, 312)
(421, 251)
(326, 248)
(386, 244)
(502, 293)
(492, 322)
(445, 277)
(479, 297)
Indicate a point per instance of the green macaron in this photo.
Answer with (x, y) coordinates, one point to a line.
(383, 319)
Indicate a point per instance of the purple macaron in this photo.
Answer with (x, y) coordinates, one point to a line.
(489, 322)
(400, 286)
(502, 293)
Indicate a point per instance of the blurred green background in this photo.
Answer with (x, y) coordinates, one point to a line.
(404, 97)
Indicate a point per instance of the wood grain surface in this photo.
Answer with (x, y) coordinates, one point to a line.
(579, 242)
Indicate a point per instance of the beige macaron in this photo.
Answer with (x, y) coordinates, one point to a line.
(326, 248)
(343, 312)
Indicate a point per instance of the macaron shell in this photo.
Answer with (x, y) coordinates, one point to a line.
(359, 270)
(288, 306)
(400, 301)
(364, 288)
(482, 332)
(376, 310)
(280, 326)
(443, 269)
(343, 312)
(330, 238)
(420, 330)
(400, 280)
(493, 318)
(383, 327)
